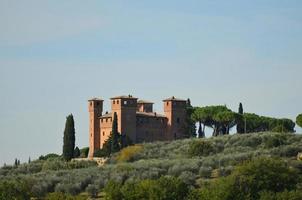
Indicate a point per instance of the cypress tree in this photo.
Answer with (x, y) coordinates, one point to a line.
(115, 146)
(69, 138)
(190, 124)
(240, 110)
(240, 122)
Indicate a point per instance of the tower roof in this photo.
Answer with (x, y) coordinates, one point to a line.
(151, 114)
(124, 97)
(144, 102)
(95, 99)
(107, 115)
(173, 99)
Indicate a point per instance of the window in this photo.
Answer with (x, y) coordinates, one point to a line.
(113, 101)
(125, 102)
(103, 133)
(98, 103)
(106, 120)
(90, 103)
(117, 101)
(101, 120)
(167, 103)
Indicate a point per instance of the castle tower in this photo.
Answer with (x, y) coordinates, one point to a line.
(95, 107)
(144, 106)
(175, 111)
(125, 108)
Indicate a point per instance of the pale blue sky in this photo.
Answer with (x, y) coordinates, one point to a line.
(54, 55)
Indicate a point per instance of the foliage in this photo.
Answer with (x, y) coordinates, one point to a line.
(190, 123)
(62, 196)
(263, 174)
(84, 152)
(299, 120)
(199, 115)
(240, 122)
(200, 148)
(164, 158)
(49, 156)
(165, 188)
(76, 152)
(115, 145)
(220, 118)
(255, 123)
(69, 138)
(113, 191)
(275, 141)
(92, 190)
(14, 189)
(104, 152)
(128, 153)
(286, 195)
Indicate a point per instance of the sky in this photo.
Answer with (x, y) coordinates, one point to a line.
(56, 54)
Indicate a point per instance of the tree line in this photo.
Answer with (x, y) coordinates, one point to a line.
(218, 117)
(221, 119)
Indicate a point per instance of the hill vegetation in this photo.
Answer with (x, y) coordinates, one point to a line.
(241, 166)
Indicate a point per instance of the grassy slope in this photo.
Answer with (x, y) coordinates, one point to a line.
(157, 159)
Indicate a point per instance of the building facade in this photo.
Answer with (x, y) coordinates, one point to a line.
(136, 120)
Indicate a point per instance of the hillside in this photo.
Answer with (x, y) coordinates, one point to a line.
(193, 161)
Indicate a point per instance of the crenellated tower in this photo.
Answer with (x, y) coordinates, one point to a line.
(175, 111)
(125, 108)
(95, 107)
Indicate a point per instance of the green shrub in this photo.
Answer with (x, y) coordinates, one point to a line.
(113, 190)
(286, 195)
(76, 152)
(101, 153)
(129, 153)
(84, 152)
(275, 140)
(62, 196)
(200, 148)
(205, 172)
(92, 190)
(247, 180)
(49, 156)
(14, 189)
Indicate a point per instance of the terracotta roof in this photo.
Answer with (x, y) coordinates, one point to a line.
(124, 97)
(106, 115)
(173, 99)
(95, 99)
(145, 114)
(145, 102)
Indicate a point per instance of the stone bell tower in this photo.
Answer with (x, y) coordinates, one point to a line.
(95, 107)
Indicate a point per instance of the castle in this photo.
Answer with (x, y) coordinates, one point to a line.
(136, 120)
